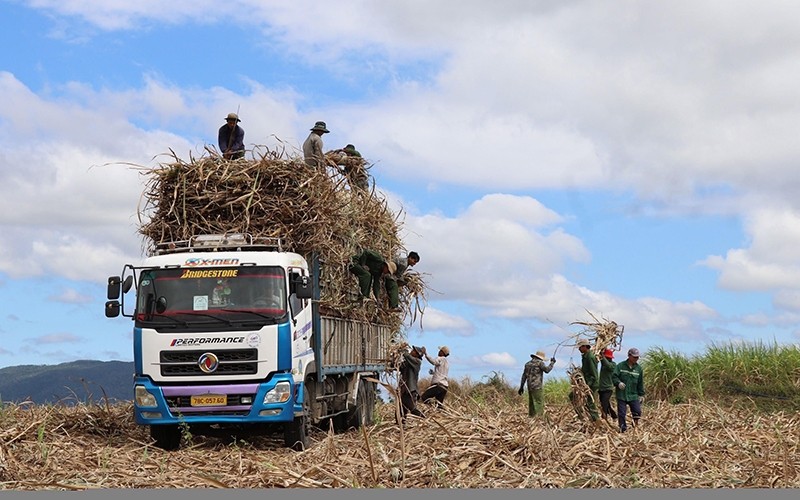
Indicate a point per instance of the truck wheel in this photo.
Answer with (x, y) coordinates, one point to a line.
(167, 437)
(295, 433)
(364, 411)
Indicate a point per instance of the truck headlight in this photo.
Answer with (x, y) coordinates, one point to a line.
(143, 397)
(279, 394)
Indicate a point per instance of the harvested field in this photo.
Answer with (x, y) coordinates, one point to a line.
(474, 443)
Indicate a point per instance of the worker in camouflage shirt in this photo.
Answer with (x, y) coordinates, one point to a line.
(533, 374)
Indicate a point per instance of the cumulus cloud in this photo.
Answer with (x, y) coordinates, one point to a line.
(769, 262)
(449, 324)
(495, 246)
(492, 360)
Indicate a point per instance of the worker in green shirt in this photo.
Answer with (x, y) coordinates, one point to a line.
(628, 378)
(590, 376)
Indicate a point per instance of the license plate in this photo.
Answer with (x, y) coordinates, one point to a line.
(209, 400)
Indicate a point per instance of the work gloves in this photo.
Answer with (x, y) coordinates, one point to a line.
(520, 391)
(621, 386)
(552, 360)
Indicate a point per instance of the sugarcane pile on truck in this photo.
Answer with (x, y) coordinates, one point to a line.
(246, 314)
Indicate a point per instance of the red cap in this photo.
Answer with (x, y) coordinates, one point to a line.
(608, 353)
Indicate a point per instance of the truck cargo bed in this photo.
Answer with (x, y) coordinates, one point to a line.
(347, 345)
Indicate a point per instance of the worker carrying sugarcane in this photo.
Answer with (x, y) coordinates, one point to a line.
(354, 167)
(591, 377)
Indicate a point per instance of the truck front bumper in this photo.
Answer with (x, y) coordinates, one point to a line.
(233, 403)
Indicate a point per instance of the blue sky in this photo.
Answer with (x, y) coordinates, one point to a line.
(638, 162)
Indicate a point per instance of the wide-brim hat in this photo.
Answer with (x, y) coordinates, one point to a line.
(539, 354)
(321, 127)
(392, 267)
(445, 350)
(417, 349)
(583, 342)
(232, 116)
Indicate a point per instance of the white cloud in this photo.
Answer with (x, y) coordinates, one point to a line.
(439, 321)
(492, 360)
(770, 262)
(56, 338)
(498, 244)
(71, 296)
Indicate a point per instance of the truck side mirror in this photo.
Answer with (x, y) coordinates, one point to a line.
(126, 285)
(113, 287)
(112, 309)
(302, 287)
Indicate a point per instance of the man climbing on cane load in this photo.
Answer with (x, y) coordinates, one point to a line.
(371, 269)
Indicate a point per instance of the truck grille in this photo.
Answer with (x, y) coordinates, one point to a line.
(231, 362)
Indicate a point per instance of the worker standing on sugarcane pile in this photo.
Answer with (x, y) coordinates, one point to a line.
(589, 372)
(628, 378)
(312, 147)
(231, 138)
(606, 385)
(438, 388)
(533, 373)
(394, 280)
(371, 269)
(354, 167)
(409, 376)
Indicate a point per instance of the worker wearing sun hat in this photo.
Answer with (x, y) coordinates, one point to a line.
(628, 378)
(590, 376)
(532, 374)
(438, 388)
(606, 384)
(231, 138)
(312, 147)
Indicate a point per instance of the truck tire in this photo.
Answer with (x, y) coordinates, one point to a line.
(167, 437)
(295, 433)
(364, 410)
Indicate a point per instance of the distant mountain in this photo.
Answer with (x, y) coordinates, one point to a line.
(68, 383)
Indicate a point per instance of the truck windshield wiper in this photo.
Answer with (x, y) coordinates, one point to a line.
(150, 318)
(207, 315)
(272, 318)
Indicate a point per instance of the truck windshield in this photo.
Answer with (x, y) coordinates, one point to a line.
(211, 295)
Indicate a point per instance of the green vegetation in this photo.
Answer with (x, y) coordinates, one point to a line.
(767, 373)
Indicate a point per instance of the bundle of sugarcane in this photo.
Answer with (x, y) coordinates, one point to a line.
(279, 196)
(580, 391)
(602, 333)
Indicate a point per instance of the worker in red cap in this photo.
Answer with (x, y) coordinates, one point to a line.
(606, 385)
